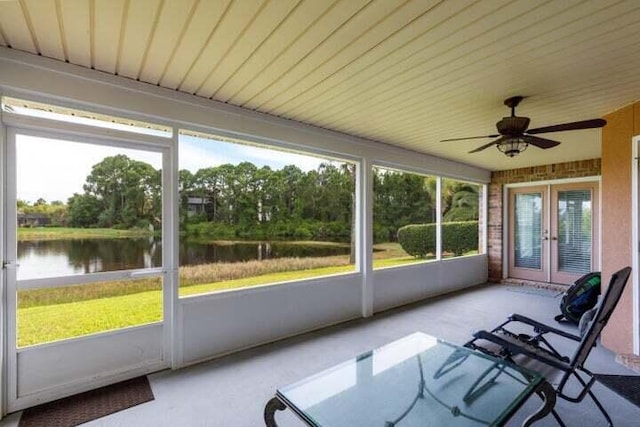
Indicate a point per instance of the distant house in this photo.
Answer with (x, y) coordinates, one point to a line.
(33, 220)
(197, 205)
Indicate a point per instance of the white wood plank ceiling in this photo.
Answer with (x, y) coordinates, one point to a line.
(404, 72)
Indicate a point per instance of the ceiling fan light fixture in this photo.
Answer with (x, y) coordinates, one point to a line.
(511, 147)
(514, 135)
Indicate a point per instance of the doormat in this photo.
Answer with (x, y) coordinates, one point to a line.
(81, 408)
(543, 292)
(627, 386)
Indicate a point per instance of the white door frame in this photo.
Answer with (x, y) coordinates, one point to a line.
(89, 135)
(3, 298)
(505, 216)
(635, 242)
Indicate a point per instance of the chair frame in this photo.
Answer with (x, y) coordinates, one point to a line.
(537, 347)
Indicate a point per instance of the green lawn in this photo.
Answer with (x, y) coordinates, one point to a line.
(43, 233)
(46, 315)
(45, 323)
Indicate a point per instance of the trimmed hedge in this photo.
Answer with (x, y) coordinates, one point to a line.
(419, 240)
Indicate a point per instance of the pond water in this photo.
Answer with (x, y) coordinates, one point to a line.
(50, 258)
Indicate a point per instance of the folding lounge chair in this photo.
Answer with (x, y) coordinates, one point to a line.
(521, 348)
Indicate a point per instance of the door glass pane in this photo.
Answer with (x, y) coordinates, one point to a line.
(574, 231)
(85, 208)
(404, 217)
(528, 230)
(53, 314)
(252, 215)
(460, 204)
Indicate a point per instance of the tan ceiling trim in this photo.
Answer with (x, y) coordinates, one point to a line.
(223, 56)
(357, 48)
(292, 40)
(172, 27)
(63, 33)
(204, 46)
(262, 43)
(92, 33)
(352, 9)
(123, 34)
(27, 18)
(152, 33)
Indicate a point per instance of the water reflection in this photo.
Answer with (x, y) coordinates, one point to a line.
(50, 258)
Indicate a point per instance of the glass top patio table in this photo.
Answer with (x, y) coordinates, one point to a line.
(418, 380)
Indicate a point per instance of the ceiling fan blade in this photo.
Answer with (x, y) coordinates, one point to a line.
(470, 137)
(483, 147)
(540, 142)
(585, 124)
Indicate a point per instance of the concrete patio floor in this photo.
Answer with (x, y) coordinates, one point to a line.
(232, 391)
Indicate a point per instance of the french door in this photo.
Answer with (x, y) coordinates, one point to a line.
(553, 232)
(85, 271)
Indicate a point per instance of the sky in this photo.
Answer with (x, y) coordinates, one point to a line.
(54, 170)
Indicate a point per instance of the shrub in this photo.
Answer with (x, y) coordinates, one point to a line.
(419, 240)
(459, 237)
(303, 232)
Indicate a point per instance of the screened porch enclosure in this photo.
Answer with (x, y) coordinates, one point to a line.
(227, 174)
(199, 309)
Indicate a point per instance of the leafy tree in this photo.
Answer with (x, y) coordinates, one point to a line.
(84, 210)
(127, 191)
(21, 204)
(401, 198)
(459, 201)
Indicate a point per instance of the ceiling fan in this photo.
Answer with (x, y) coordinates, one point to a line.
(514, 138)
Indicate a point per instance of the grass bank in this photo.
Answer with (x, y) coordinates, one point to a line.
(46, 315)
(62, 233)
(51, 314)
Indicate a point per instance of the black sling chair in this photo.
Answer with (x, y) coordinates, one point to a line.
(521, 348)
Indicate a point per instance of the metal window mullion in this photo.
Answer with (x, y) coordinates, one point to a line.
(10, 274)
(83, 133)
(86, 279)
(364, 242)
(439, 218)
(547, 203)
(171, 253)
(635, 241)
(3, 288)
(485, 219)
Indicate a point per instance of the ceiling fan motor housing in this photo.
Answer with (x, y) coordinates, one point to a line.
(513, 126)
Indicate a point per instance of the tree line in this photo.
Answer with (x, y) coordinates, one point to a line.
(244, 200)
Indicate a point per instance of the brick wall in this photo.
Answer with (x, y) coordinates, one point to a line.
(575, 169)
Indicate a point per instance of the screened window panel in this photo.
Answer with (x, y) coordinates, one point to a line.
(528, 230)
(574, 231)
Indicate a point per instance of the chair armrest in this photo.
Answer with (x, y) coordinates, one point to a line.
(542, 328)
(514, 349)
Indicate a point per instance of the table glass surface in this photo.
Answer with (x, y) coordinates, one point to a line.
(418, 380)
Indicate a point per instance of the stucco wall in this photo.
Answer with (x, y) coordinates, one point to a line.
(622, 125)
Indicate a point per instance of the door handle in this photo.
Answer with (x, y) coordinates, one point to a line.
(9, 264)
(554, 238)
(545, 238)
